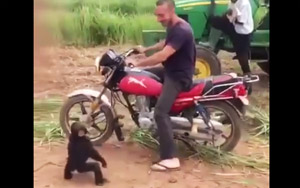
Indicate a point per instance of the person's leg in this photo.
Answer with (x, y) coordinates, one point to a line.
(158, 71)
(170, 91)
(219, 25)
(241, 44)
(244, 62)
(213, 38)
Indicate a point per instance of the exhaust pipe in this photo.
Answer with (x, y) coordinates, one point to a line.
(197, 136)
(183, 122)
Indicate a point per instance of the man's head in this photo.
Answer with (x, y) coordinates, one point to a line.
(234, 1)
(165, 11)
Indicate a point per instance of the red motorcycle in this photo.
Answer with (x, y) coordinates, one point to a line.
(210, 113)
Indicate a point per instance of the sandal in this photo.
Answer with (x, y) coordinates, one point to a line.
(162, 168)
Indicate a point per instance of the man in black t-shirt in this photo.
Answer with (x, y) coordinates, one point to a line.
(177, 55)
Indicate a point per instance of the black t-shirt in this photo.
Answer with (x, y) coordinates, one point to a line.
(181, 65)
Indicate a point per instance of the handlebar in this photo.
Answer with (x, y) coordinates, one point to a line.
(130, 52)
(127, 53)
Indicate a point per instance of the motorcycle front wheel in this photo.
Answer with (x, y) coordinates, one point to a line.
(76, 108)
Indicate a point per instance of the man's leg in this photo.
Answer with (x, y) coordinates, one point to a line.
(219, 25)
(158, 71)
(243, 59)
(170, 91)
(241, 44)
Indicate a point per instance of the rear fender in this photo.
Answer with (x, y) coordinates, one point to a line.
(238, 106)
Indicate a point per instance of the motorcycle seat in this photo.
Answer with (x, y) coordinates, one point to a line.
(201, 86)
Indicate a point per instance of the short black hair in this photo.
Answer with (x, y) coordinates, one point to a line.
(169, 2)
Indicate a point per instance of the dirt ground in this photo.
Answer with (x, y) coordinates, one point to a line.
(128, 167)
(60, 70)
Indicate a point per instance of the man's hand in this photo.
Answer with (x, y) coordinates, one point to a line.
(237, 22)
(230, 18)
(229, 12)
(131, 61)
(140, 49)
(156, 47)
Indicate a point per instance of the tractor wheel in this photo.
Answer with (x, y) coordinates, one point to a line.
(207, 63)
(265, 66)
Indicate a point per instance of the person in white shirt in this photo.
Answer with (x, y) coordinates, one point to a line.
(238, 24)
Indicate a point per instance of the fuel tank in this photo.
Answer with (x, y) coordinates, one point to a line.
(140, 82)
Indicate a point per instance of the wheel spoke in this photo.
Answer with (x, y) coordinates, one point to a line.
(96, 114)
(74, 118)
(101, 118)
(96, 127)
(83, 110)
(97, 121)
(223, 136)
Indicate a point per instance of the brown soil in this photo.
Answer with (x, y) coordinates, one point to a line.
(128, 167)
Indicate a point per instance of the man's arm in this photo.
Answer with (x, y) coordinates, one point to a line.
(174, 43)
(157, 57)
(157, 46)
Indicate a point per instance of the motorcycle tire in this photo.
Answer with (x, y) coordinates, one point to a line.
(236, 123)
(104, 108)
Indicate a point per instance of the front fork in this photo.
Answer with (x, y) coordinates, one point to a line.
(117, 125)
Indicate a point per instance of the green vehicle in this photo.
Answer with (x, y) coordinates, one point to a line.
(196, 12)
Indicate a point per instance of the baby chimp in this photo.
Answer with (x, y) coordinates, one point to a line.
(80, 149)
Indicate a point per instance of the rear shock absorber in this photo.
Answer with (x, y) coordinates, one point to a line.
(200, 109)
(204, 113)
(206, 118)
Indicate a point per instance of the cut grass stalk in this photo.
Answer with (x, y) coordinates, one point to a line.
(208, 154)
(263, 119)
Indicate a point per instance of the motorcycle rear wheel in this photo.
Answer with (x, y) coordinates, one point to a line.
(234, 119)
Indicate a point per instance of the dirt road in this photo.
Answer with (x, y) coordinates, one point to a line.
(128, 167)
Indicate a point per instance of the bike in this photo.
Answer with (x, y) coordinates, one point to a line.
(210, 113)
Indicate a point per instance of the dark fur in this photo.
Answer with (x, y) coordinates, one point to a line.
(79, 150)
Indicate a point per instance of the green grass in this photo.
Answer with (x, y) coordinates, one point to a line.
(46, 126)
(46, 109)
(262, 121)
(94, 22)
(114, 6)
